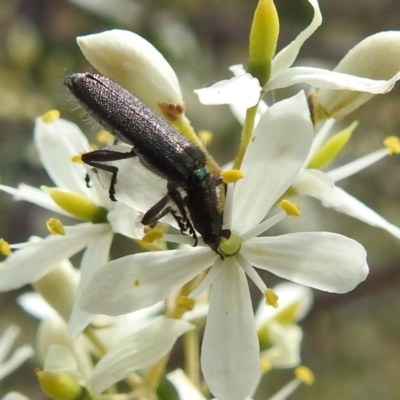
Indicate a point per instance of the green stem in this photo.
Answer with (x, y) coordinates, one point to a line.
(192, 363)
(247, 132)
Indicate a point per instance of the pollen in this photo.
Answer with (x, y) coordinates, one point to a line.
(186, 302)
(304, 374)
(291, 209)
(50, 116)
(152, 235)
(136, 283)
(77, 158)
(265, 365)
(5, 248)
(232, 175)
(206, 137)
(271, 298)
(393, 144)
(55, 227)
(105, 137)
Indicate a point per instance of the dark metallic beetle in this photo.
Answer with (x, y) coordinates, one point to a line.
(194, 197)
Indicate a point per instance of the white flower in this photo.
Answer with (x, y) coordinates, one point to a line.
(57, 141)
(326, 261)
(137, 342)
(283, 74)
(322, 186)
(279, 324)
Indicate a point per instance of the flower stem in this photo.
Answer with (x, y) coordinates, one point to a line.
(247, 132)
(192, 362)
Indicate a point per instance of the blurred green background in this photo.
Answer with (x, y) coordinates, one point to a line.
(352, 341)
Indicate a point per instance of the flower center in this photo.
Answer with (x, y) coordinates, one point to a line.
(230, 247)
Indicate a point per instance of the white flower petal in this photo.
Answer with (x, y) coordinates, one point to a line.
(375, 57)
(34, 304)
(230, 350)
(55, 345)
(135, 64)
(7, 339)
(280, 145)
(286, 57)
(140, 350)
(243, 90)
(322, 78)
(321, 260)
(14, 396)
(34, 196)
(317, 184)
(126, 221)
(57, 142)
(353, 207)
(95, 255)
(34, 260)
(185, 388)
(140, 280)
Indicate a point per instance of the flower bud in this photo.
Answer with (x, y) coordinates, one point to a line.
(135, 64)
(263, 39)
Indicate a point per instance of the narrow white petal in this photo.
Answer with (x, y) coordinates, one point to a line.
(357, 165)
(34, 196)
(17, 359)
(353, 207)
(140, 350)
(286, 57)
(243, 90)
(14, 396)
(322, 78)
(34, 260)
(230, 350)
(95, 255)
(280, 145)
(185, 388)
(141, 280)
(7, 339)
(321, 260)
(57, 142)
(317, 184)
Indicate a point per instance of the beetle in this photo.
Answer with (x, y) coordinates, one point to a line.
(194, 196)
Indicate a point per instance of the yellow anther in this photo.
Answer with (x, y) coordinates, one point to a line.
(77, 158)
(136, 283)
(55, 227)
(265, 365)
(186, 302)
(232, 175)
(206, 137)
(105, 137)
(50, 116)
(291, 209)
(5, 248)
(152, 235)
(304, 374)
(393, 144)
(271, 298)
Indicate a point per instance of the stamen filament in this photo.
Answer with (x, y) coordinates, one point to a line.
(264, 226)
